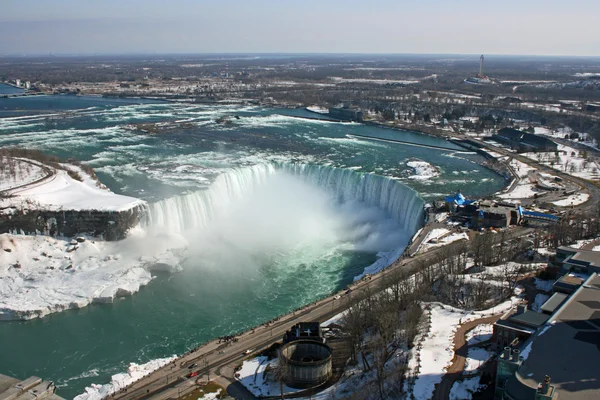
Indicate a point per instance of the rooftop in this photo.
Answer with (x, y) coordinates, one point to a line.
(30, 388)
(567, 348)
(528, 318)
(553, 303)
(586, 257)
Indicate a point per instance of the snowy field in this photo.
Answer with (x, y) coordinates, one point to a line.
(40, 275)
(568, 160)
(62, 192)
(338, 79)
(522, 190)
(441, 237)
(118, 381)
(476, 358)
(437, 349)
(572, 200)
(523, 170)
(16, 172)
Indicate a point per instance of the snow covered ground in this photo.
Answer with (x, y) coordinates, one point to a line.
(16, 172)
(373, 81)
(119, 381)
(211, 396)
(62, 192)
(435, 234)
(544, 286)
(463, 390)
(476, 357)
(573, 200)
(568, 160)
(523, 170)
(442, 240)
(479, 334)
(40, 275)
(437, 349)
(422, 170)
(254, 378)
(522, 190)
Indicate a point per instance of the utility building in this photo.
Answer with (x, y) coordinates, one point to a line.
(523, 141)
(31, 388)
(346, 114)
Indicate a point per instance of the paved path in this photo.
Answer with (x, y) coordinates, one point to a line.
(454, 372)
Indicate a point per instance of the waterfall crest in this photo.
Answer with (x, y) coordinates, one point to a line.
(195, 210)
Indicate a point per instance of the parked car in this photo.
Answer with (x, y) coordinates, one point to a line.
(192, 374)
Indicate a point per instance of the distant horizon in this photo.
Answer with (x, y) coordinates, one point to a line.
(512, 27)
(275, 53)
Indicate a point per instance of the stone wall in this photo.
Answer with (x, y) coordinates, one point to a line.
(109, 225)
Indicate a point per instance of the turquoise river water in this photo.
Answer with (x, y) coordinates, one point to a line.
(329, 204)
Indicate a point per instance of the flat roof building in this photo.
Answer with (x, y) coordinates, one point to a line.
(523, 141)
(516, 326)
(564, 353)
(28, 389)
(346, 113)
(570, 259)
(553, 303)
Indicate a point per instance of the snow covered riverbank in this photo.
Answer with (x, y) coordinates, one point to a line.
(134, 373)
(40, 275)
(60, 191)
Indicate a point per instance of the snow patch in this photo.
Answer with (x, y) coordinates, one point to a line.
(40, 275)
(62, 192)
(480, 333)
(463, 390)
(573, 200)
(118, 381)
(476, 357)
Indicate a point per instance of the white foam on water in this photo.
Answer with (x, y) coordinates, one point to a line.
(119, 381)
(318, 207)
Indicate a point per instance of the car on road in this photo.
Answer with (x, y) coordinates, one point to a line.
(248, 352)
(192, 366)
(192, 374)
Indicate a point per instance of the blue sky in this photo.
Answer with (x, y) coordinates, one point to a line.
(547, 27)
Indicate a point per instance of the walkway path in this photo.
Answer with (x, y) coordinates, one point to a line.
(454, 371)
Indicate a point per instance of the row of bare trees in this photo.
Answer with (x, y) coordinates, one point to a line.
(577, 225)
(384, 322)
(380, 325)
